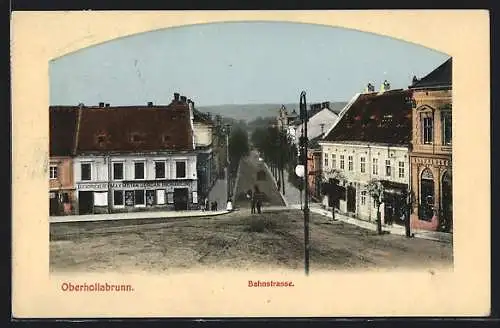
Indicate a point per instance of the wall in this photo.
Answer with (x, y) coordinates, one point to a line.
(326, 117)
(64, 173)
(202, 134)
(358, 179)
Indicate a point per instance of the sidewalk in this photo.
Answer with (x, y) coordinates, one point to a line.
(396, 230)
(134, 216)
(219, 192)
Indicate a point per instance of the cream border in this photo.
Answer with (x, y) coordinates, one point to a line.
(38, 37)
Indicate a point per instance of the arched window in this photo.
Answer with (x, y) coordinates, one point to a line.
(426, 210)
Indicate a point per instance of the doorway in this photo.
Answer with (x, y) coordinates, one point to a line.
(351, 199)
(181, 197)
(447, 203)
(85, 202)
(426, 196)
(54, 203)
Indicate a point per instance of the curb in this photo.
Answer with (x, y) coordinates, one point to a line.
(276, 182)
(373, 227)
(117, 218)
(236, 182)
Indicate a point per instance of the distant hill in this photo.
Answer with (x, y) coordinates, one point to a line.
(250, 112)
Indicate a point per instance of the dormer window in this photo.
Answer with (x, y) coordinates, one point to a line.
(137, 138)
(165, 138)
(101, 139)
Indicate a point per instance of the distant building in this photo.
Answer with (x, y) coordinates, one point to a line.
(61, 143)
(285, 121)
(320, 118)
(431, 154)
(369, 142)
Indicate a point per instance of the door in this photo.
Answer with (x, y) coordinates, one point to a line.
(351, 199)
(85, 202)
(447, 203)
(54, 203)
(181, 196)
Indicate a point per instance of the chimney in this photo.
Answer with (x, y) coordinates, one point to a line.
(414, 80)
(101, 104)
(322, 125)
(325, 104)
(81, 105)
(150, 104)
(107, 105)
(386, 86)
(370, 88)
(183, 99)
(176, 96)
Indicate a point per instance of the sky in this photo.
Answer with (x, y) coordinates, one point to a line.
(237, 63)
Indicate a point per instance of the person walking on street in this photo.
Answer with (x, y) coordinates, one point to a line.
(258, 199)
(250, 197)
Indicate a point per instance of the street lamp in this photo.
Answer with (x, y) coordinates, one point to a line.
(303, 144)
(228, 162)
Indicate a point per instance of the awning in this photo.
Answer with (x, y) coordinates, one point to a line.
(394, 187)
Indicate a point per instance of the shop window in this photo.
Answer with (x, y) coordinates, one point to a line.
(160, 170)
(65, 198)
(180, 169)
(139, 197)
(100, 199)
(118, 196)
(426, 210)
(160, 196)
(129, 198)
(86, 172)
(150, 198)
(53, 172)
(117, 171)
(138, 170)
(446, 128)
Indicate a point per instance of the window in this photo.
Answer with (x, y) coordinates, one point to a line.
(86, 172)
(446, 127)
(341, 162)
(388, 167)
(53, 172)
(138, 170)
(334, 160)
(160, 196)
(160, 170)
(363, 198)
(117, 171)
(427, 129)
(401, 169)
(139, 197)
(375, 204)
(180, 169)
(362, 164)
(326, 159)
(118, 196)
(350, 163)
(375, 166)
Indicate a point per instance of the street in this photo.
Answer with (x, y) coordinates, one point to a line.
(238, 240)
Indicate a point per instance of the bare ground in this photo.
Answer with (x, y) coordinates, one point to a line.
(238, 240)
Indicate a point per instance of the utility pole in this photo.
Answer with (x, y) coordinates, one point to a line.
(228, 162)
(303, 116)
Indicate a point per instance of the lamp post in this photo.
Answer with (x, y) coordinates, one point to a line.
(228, 161)
(303, 117)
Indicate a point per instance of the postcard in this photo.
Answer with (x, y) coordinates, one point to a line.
(250, 164)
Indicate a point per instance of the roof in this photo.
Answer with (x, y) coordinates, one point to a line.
(202, 117)
(62, 130)
(440, 77)
(135, 128)
(383, 118)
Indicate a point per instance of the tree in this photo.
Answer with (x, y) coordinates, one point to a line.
(376, 191)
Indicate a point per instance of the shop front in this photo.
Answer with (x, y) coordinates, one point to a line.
(395, 198)
(60, 202)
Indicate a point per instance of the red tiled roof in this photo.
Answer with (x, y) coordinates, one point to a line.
(62, 130)
(376, 118)
(135, 129)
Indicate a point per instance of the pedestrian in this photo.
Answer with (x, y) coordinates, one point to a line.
(258, 199)
(207, 208)
(279, 185)
(215, 206)
(229, 206)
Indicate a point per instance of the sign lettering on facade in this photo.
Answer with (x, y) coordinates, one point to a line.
(134, 185)
(431, 161)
